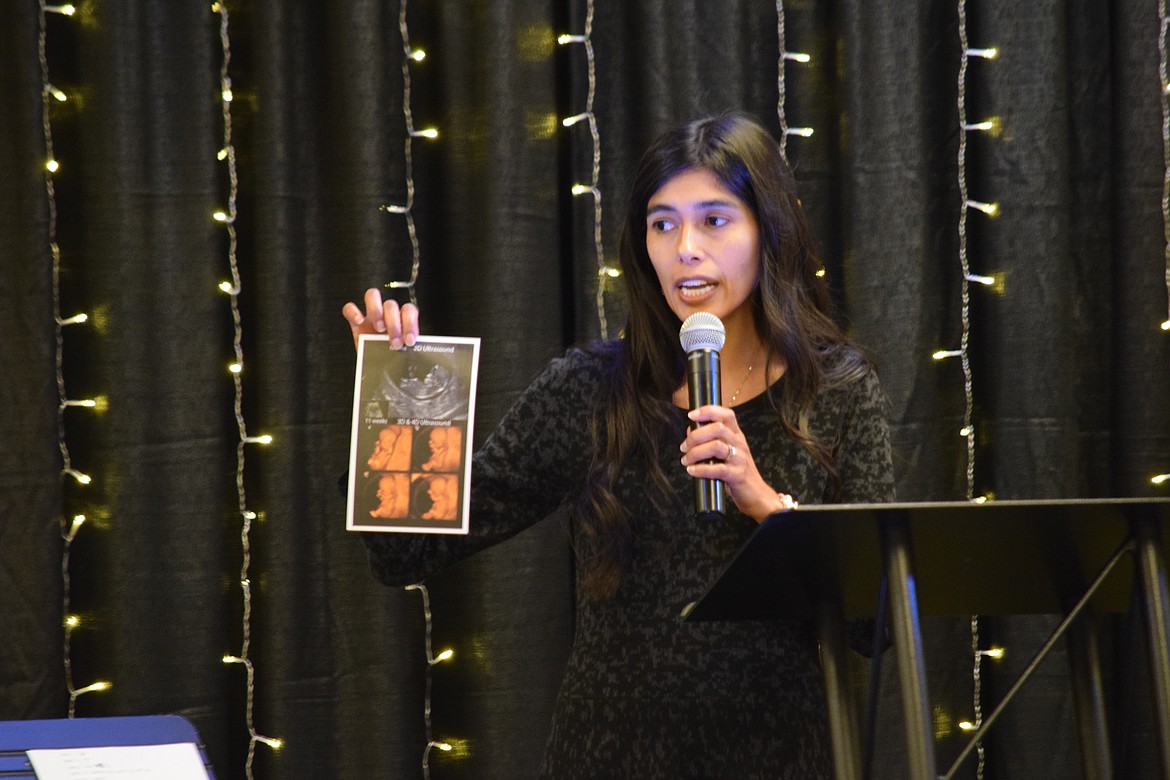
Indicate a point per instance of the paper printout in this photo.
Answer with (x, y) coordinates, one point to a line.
(410, 450)
(125, 762)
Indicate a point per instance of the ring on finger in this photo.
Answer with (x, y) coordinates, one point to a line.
(730, 452)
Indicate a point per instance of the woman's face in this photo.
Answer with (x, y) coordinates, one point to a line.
(704, 243)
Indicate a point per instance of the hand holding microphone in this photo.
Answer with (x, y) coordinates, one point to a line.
(715, 434)
(702, 336)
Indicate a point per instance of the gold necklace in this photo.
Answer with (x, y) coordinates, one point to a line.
(741, 384)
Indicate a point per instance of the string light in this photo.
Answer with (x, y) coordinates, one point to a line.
(968, 430)
(781, 86)
(605, 271)
(52, 165)
(227, 154)
(1160, 479)
(432, 660)
(990, 209)
(1164, 78)
(406, 210)
(73, 621)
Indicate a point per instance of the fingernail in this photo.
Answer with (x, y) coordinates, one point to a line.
(410, 340)
(380, 326)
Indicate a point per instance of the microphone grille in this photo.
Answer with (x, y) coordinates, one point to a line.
(702, 330)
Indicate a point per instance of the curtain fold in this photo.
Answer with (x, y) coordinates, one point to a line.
(1070, 370)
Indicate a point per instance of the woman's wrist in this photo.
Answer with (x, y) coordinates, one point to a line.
(780, 502)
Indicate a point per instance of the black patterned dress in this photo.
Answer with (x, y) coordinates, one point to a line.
(646, 695)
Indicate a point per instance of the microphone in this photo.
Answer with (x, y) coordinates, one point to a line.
(702, 336)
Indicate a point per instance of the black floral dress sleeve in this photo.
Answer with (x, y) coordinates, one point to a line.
(532, 462)
(862, 447)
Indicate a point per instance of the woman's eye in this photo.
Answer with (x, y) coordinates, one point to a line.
(661, 225)
(717, 221)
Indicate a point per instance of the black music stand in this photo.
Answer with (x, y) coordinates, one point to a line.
(824, 563)
(19, 736)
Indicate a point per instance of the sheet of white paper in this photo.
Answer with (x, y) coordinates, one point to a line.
(139, 762)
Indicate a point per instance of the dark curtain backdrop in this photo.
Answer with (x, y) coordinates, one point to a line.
(1071, 373)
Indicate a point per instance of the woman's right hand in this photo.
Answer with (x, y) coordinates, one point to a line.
(400, 323)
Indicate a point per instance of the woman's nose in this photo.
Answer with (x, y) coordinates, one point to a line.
(689, 248)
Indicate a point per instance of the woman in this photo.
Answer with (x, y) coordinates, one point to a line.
(713, 224)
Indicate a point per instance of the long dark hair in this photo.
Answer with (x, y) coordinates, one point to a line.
(792, 310)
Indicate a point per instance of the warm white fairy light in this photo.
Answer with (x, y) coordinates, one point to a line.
(968, 203)
(227, 154)
(1160, 479)
(72, 621)
(968, 429)
(1164, 81)
(993, 653)
(406, 210)
(50, 93)
(432, 743)
(990, 209)
(781, 87)
(81, 477)
(605, 271)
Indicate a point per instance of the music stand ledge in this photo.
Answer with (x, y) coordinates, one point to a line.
(826, 563)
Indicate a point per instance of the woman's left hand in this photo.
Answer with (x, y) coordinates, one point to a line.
(718, 439)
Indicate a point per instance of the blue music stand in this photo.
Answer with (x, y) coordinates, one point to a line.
(19, 736)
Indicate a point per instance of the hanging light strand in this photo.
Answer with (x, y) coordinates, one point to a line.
(432, 659)
(227, 154)
(605, 271)
(964, 262)
(50, 93)
(968, 386)
(781, 85)
(73, 621)
(966, 204)
(406, 209)
(1164, 84)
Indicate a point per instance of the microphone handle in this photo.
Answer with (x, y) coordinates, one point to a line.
(702, 389)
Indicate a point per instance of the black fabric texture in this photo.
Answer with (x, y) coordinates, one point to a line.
(1070, 371)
